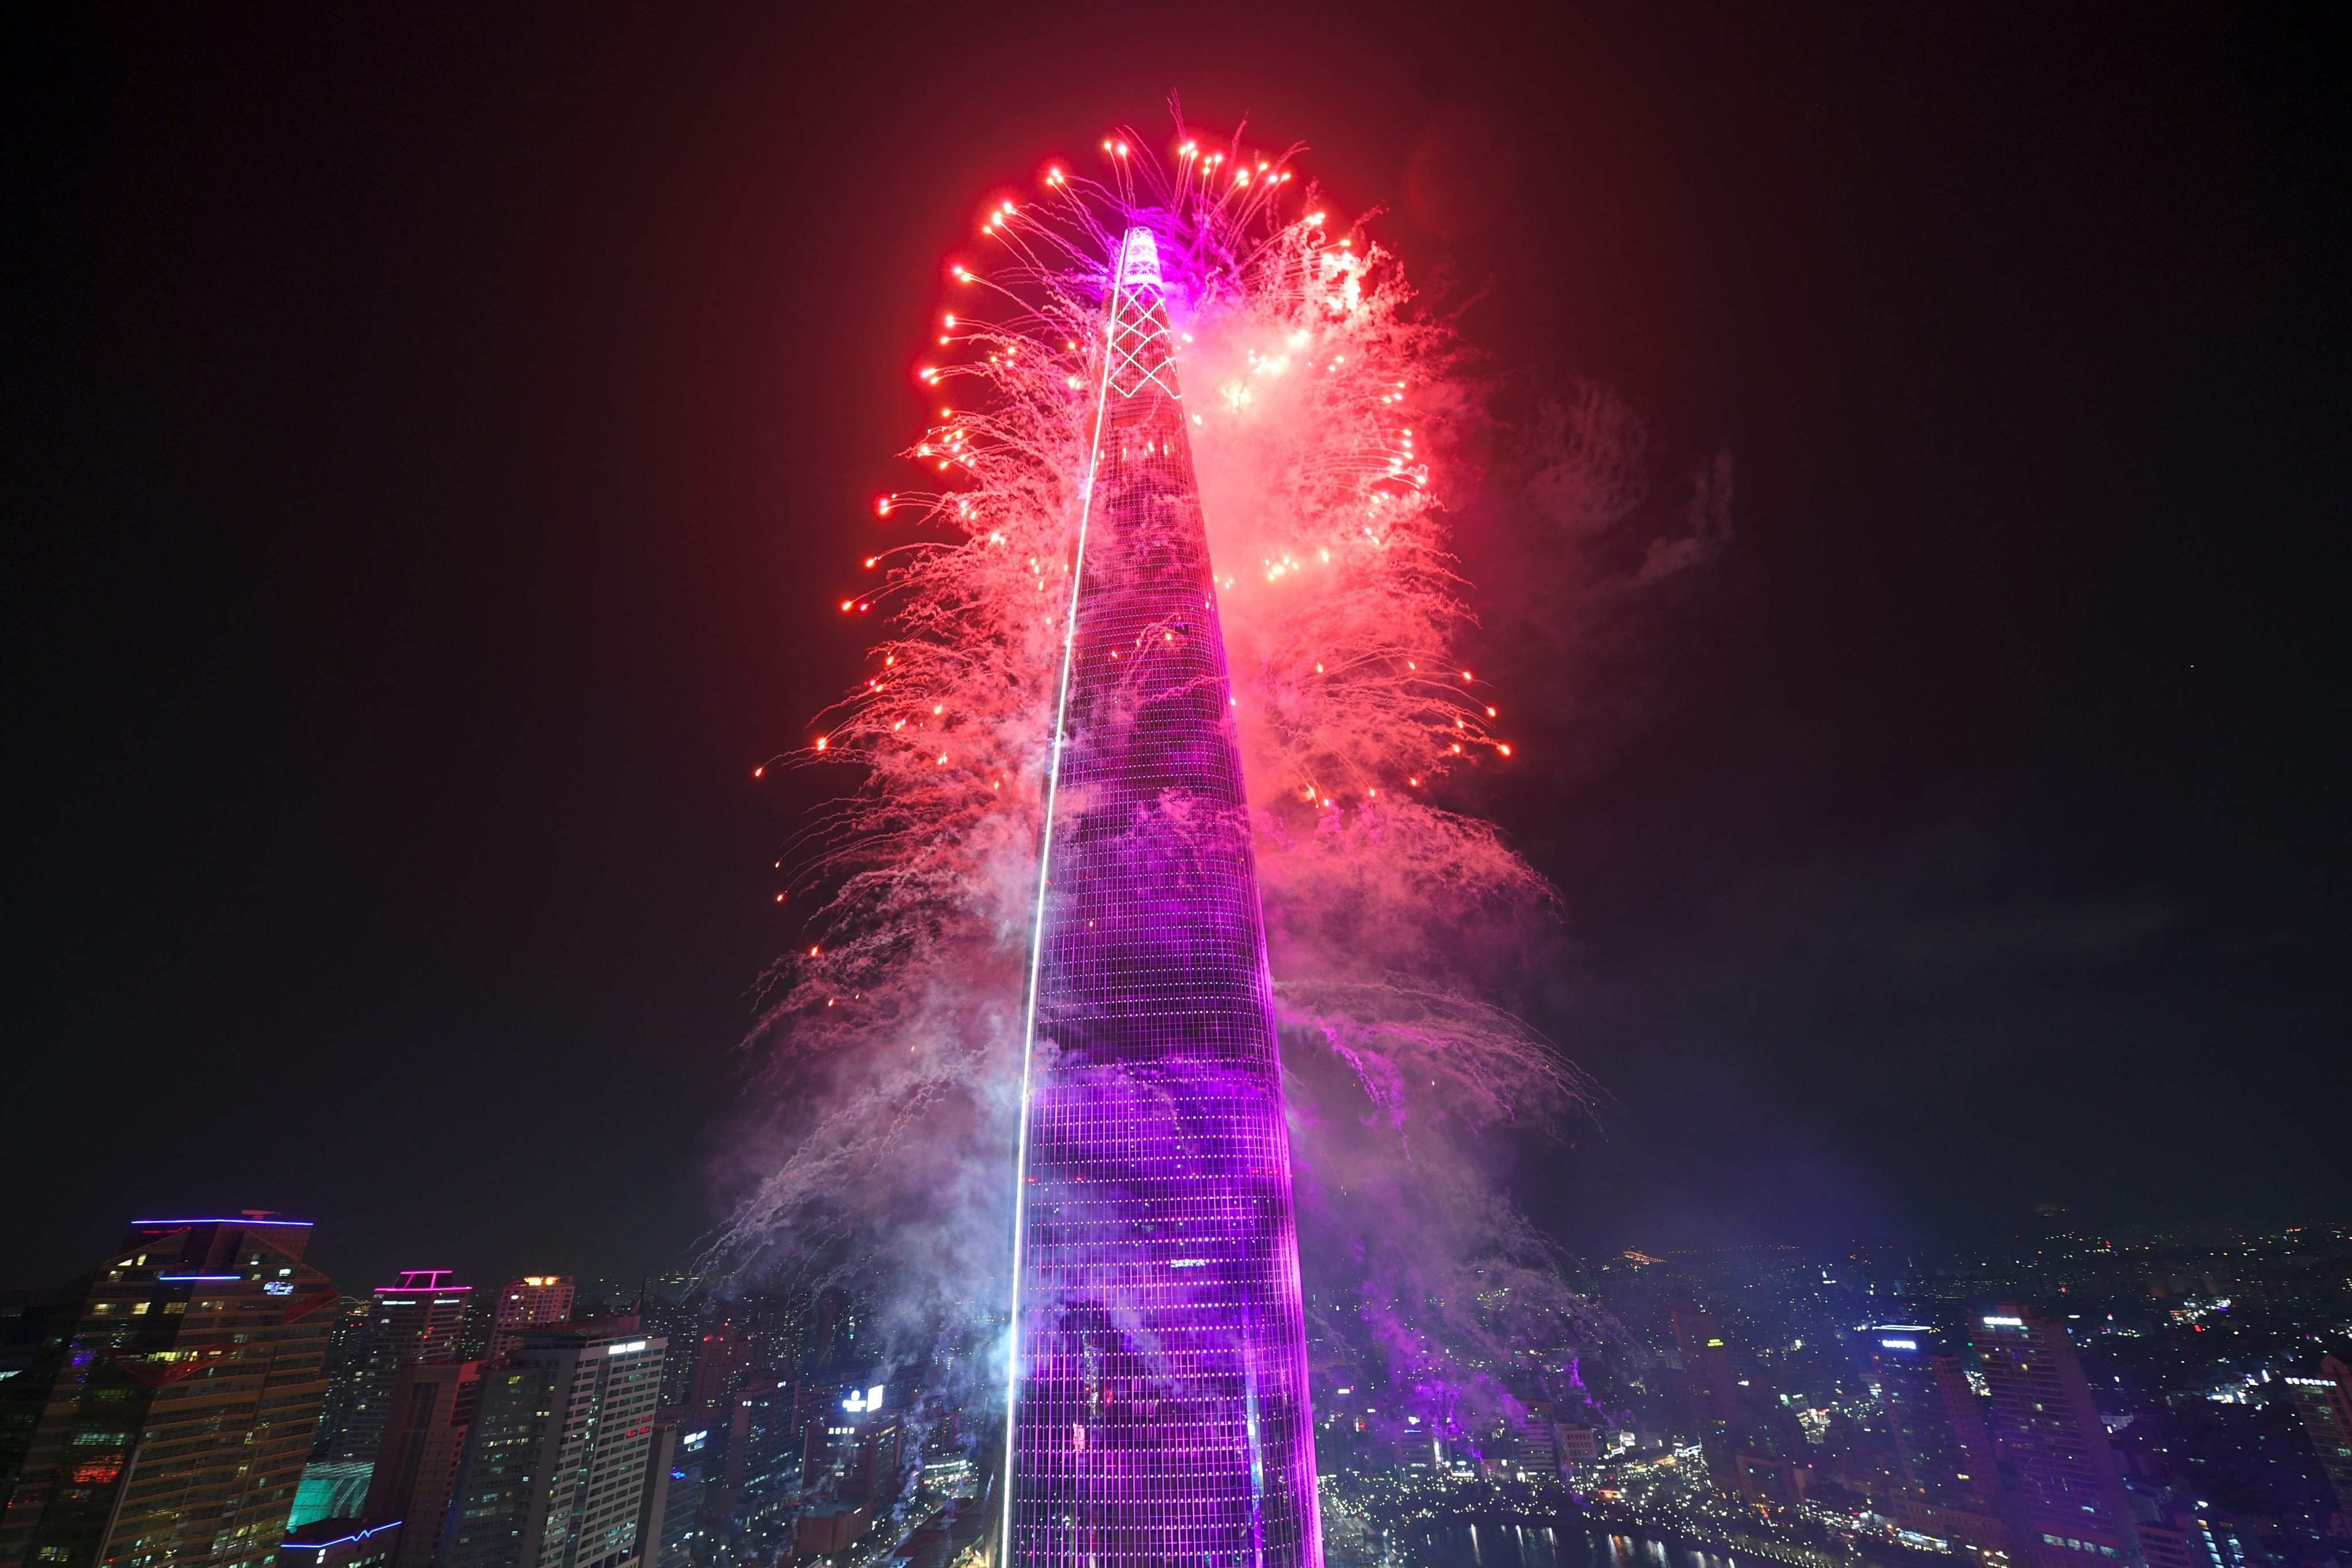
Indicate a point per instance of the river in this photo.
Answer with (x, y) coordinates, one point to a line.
(1537, 1546)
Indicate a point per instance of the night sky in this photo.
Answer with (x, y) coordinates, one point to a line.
(431, 445)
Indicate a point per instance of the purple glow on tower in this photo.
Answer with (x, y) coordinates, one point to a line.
(1159, 1376)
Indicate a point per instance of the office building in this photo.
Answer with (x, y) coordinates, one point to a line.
(2062, 1492)
(723, 1359)
(533, 1301)
(679, 1323)
(175, 1425)
(661, 1454)
(2326, 1405)
(682, 1528)
(346, 1355)
(416, 1470)
(853, 1448)
(1942, 1440)
(37, 1333)
(416, 1319)
(554, 1474)
(1710, 1391)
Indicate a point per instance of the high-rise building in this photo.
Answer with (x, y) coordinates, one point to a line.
(1749, 1442)
(415, 1472)
(872, 1476)
(174, 1427)
(1710, 1391)
(851, 1447)
(1938, 1420)
(677, 1322)
(2062, 1489)
(346, 1353)
(653, 1522)
(554, 1475)
(1941, 1439)
(416, 1320)
(1160, 1394)
(533, 1301)
(751, 1440)
(682, 1530)
(824, 1333)
(2326, 1403)
(722, 1360)
(36, 1332)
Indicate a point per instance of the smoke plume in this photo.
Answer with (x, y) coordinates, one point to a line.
(878, 1149)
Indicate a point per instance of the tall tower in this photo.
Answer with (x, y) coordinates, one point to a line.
(1160, 1411)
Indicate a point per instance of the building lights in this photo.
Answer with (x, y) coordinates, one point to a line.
(1240, 1483)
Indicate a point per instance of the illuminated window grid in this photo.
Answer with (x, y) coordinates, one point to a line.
(1162, 1412)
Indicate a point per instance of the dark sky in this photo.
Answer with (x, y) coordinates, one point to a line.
(430, 446)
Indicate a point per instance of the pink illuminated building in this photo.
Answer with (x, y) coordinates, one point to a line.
(416, 1319)
(1160, 1380)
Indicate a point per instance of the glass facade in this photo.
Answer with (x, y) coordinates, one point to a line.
(1161, 1399)
(182, 1399)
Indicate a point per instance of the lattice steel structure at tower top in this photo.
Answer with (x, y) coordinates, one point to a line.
(1159, 1376)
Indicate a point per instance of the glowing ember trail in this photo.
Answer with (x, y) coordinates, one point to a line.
(897, 1035)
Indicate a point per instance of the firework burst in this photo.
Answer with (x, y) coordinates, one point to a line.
(892, 1037)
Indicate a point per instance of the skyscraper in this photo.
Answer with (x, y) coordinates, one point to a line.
(681, 1526)
(37, 1333)
(1940, 1437)
(851, 1447)
(414, 1320)
(346, 1353)
(723, 1359)
(174, 1427)
(533, 1301)
(1159, 1398)
(416, 1470)
(653, 1491)
(2326, 1403)
(2063, 1492)
(1939, 1429)
(556, 1459)
(750, 1443)
(1710, 1391)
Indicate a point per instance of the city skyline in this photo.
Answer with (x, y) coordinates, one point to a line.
(436, 506)
(1302, 787)
(1800, 882)
(2168, 1407)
